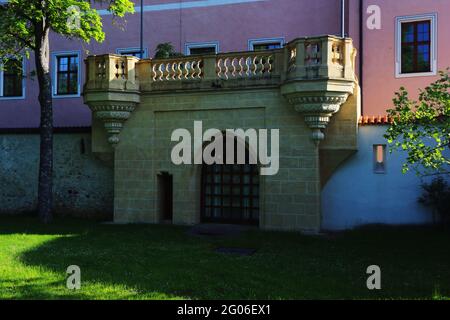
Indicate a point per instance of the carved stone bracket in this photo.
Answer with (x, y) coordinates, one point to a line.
(317, 109)
(317, 100)
(113, 115)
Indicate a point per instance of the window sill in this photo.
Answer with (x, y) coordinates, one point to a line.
(13, 98)
(64, 96)
(415, 75)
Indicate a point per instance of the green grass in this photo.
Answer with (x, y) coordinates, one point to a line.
(163, 262)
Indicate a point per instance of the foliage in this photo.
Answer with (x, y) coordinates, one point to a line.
(165, 50)
(21, 19)
(437, 196)
(422, 128)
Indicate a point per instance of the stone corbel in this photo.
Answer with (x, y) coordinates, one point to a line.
(113, 115)
(113, 108)
(317, 100)
(317, 109)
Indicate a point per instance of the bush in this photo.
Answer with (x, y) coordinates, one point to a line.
(166, 50)
(437, 196)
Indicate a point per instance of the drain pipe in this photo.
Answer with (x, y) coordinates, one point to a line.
(361, 52)
(141, 39)
(342, 18)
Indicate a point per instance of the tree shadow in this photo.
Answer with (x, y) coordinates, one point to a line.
(152, 261)
(29, 224)
(164, 262)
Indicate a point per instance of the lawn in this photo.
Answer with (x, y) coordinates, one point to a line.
(164, 262)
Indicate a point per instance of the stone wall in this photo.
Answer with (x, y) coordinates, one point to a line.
(288, 200)
(137, 104)
(83, 183)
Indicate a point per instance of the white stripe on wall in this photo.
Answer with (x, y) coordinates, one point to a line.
(186, 5)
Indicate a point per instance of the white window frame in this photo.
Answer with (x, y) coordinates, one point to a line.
(252, 42)
(21, 97)
(124, 51)
(54, 60)
(192, 45)
(432, 17)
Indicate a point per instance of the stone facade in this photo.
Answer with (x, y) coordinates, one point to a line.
(297, 90)
(83, 182)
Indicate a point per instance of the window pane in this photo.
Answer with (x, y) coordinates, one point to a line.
(73, 83)
(74, 64)
(266, 46)
(408, 59)
(423, 58)
(131, 53)
(379, 159)
(423, 31)
(202, 50)
(62, 83)
(62, 63)
(408, 32)
(12, 78)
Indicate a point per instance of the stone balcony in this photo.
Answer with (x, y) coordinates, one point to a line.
(315, 74)
(307, 91)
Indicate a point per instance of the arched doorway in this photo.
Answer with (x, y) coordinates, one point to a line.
(230, 192)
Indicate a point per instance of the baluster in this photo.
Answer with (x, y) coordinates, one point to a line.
(227, 60)
(186, 69)
(248, 64)
(174, 66)
(161, 73)
(219, 68)
(270, 63)
(254, 66)
(241, 67)
(180, 70)
(233, 73)
(193, 71)
(199, 67)
(153, 72)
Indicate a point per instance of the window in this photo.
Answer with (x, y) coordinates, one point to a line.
(379, 158)
(201, 48)
(200, 51)
(416, 47)
(230, 192)
(11, 79)
(265, 44)
(66, 78)
(136, 52)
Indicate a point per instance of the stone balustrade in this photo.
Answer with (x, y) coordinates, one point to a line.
(315, 74)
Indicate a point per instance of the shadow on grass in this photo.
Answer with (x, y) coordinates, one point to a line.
(164, 262)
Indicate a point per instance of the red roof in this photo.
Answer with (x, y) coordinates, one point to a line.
(374, 120)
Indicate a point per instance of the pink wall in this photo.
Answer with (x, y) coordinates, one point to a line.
(379, 80)
(232, 26)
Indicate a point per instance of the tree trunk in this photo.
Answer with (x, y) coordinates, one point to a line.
(45, 187)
